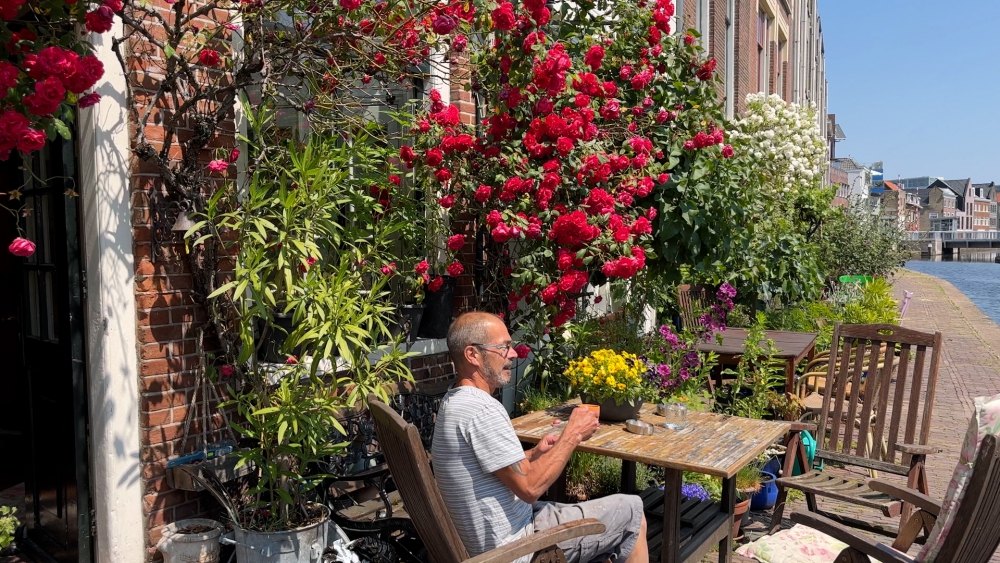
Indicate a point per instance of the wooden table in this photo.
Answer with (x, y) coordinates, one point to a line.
(792, 347)
(713, 444)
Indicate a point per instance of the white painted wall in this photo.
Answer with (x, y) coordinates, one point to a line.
(112, 362)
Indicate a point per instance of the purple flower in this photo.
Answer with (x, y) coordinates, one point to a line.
(667, 335)
(694, 490)
(725, 292)
(663, 370)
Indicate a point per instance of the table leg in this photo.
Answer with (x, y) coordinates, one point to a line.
(628, 477)
(728, 501)
(671, 516)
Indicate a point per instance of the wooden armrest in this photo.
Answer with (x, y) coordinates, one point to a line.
(800, 426)
(917, 449)
(916, 498)
(855, 541)
(539, 541)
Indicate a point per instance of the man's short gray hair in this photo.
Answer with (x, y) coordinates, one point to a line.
(467, 330)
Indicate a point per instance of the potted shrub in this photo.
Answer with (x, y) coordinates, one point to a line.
(297, 256)
(620, 389)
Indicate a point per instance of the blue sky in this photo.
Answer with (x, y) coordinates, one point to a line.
(916, 84)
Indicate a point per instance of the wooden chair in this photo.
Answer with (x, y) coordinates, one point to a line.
(973, 538)
(693, 301)
(422, 500)
(847, 399)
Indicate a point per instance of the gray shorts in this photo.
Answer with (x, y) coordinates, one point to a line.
(621, 515)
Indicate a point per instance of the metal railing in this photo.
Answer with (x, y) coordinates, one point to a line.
(955, 235)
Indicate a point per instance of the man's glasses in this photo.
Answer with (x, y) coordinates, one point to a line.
(505, 347)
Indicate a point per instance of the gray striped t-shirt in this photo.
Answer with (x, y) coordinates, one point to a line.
(473, 437)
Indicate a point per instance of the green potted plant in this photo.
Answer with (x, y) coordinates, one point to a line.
(748, 480)
(298, 255)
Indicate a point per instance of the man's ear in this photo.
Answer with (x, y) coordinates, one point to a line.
(472, 356)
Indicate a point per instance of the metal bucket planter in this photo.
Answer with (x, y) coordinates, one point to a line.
(195, 540)
(301, 545)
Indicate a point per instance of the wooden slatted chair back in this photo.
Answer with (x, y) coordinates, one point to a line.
(892, 406)
(693, 300)
(975, 535)
(411, 471)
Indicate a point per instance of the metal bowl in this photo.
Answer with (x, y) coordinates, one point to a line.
(639, 427)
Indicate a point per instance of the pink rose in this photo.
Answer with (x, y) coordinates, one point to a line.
(226, 371)
(21, 247)
(422, 267)
(350, 4)
(218, 165)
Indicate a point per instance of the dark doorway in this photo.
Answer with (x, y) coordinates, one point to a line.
(43, 417)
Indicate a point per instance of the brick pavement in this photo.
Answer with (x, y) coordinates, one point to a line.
(970, 368)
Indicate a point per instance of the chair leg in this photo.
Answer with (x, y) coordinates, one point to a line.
(779, 511)
(851, 555)
(811, 502)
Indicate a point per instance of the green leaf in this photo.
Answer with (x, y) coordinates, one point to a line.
(62, 129)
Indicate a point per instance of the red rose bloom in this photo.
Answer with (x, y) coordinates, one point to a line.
(208, 57)
(483, 194)
(727, 151)
(49, 93)
(406, 154)
(706, 70)
(31, 140)
(456, 242)
(422, 267)
(443, 175)
(503, 17)
(455, 269)
(350, 4)
(599, 202)
(88, 100)
(87, 72)
(594, 57)
(12, 128)
(21, 247)
(521, 349)
(447, 201)
(436, 283)
(9, 8)
(100, 20)
(443, 25)
(549, 293)
(433, 157)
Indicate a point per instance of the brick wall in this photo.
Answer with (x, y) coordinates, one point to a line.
(745, 52)
(167, 317)
(717, 41)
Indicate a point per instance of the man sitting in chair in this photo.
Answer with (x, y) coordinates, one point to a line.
(490, 484)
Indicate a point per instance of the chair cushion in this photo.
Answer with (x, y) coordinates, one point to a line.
(985, 421)
(800, 544)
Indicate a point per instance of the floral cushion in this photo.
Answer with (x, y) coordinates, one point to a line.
(985, 421)
(800, 544)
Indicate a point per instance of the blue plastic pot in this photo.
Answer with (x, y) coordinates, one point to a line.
(767, 495)
(773, 465)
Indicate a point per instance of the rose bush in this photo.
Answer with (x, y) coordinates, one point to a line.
(45, 69)
(586, 119)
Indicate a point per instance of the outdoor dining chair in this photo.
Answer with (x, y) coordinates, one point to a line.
(894, 410)
(411, 471)
(966, 532)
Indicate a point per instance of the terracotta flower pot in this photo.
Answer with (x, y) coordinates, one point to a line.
(739, 509)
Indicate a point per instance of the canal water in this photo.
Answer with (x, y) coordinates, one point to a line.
(979, 281)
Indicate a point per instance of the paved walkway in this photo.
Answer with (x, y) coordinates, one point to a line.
(970, 368)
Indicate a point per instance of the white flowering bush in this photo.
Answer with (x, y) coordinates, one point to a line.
(785, 141)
